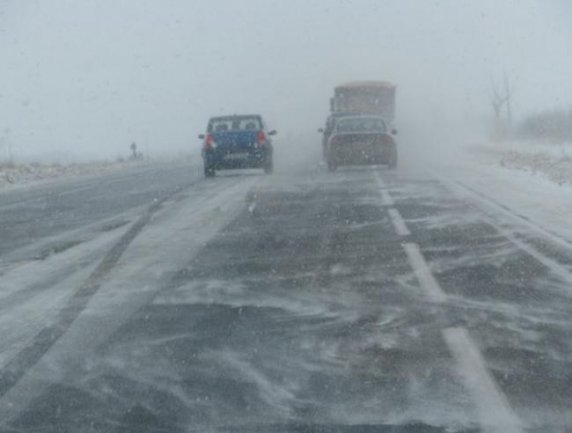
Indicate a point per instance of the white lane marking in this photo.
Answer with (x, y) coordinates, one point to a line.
(378, 179)
(387, 199)
(398, 223)
(423, 273)
(494, 410)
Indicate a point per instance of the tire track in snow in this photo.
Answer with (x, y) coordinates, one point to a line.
(46, 338)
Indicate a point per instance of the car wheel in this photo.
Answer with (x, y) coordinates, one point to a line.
(393, 161)
(332, 166)
(209, 171)
(269, 166)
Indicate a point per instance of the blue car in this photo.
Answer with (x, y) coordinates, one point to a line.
(239, 141)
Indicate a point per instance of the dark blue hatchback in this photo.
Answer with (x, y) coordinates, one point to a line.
(239, 141)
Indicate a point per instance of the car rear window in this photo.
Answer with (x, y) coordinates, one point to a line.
(235, 124)
(366, 124)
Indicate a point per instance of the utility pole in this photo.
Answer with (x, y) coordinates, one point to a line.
(133, 148)
(6, 143)
(508, 92)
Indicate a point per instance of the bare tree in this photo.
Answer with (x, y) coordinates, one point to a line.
(501, 102)
(497, 101)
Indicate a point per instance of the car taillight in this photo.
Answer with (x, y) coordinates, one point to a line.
(209, 142)
(261, 138)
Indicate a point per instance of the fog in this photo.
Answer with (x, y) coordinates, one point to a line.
(83, 80)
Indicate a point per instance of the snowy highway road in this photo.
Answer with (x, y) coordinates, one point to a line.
(364, 300)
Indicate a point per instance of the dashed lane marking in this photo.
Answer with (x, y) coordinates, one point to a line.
(494, 410)
(387, 199)
(398, 223)
(385, 196)
(378, 179)
(423, 273)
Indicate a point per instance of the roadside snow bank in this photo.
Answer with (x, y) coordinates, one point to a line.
(533, 180)
(549, 160)
(20, 174)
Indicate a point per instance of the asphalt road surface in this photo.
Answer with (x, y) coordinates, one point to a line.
(364, 300)
(29, 215)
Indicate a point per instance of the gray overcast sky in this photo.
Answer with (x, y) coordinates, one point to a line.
(84, 78)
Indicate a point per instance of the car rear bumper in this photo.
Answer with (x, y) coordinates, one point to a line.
(228, 160)
(362, 153)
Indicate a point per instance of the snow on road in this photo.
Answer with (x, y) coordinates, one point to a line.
(173, 235)
(355, 296)
(495, 412)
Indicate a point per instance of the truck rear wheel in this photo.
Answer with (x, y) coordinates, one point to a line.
(332, 166)
(392, 164)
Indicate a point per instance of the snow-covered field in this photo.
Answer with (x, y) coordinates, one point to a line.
(546, 160)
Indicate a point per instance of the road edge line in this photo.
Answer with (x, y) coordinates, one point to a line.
(480, 197)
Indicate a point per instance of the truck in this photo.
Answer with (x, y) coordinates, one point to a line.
(366, 99)
(359, 97)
